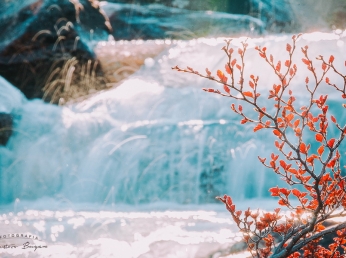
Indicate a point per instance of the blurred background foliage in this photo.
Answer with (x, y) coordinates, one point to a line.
(331, 12)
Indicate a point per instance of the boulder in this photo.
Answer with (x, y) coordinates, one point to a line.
(39, 37)
(156, 21)
(6, 123)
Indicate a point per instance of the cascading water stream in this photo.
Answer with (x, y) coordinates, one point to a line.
(156, 138)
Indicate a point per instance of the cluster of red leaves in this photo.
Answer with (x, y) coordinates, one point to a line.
(313, 175)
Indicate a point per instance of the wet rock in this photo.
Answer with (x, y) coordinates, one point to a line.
(6, 123)
(39, 35)
(156, 21)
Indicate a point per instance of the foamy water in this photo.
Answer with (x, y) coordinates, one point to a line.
(121, 231)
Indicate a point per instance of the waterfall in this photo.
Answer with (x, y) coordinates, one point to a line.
(155, 138)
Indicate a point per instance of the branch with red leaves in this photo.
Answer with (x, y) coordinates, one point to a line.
(313, 175)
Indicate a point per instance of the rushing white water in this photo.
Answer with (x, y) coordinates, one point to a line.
(157, 138)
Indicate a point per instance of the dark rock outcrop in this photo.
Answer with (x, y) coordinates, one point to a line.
(157, 21)
(6, 123)
(37, 35)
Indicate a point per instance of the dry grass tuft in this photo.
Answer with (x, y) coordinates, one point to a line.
(70, 79)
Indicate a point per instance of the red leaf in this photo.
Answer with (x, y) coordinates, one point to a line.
(226, 88)
(252, 85)
(276, 132)
(258, 127)
(278, 66)
(333, 119)
(305, 61)
(324, 66)
(228, 70)
(275, 191)
(293, 171)
(307, 80)
(290, 117)
(284, 191)
(325, 178)
(262, 159)
(284, 82)
(320, 150)
(306, 178)
(277, 144)
(262, 55)
(330, 143)
(302, 148)
(319, 227)
(276, 88)
(207, 71)
(319, 137)
(282, 202)
(274, 157)
(303, 201)
(311, 158)
(296, 192)
(234, 61)
(288, 47)
(248, 94)
(331, 59)
(220, 74)
(244, 121)
(283, 164)
(229, 201)
(331, 164)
